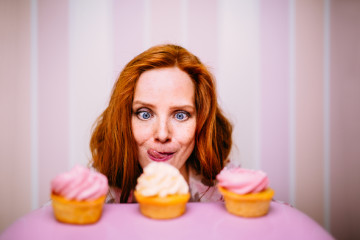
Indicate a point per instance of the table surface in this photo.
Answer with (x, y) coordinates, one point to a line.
(200, 221)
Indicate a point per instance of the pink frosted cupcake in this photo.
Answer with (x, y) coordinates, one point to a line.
(78, 196)
(246, 192)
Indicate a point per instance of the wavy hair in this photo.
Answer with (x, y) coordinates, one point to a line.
(113, 147)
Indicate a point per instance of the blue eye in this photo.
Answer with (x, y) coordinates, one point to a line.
(181, 116)
(144, 115)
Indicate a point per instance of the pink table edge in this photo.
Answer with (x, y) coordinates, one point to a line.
(201, 220)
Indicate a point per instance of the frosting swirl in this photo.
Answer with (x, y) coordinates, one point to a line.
(242, 181)
(80, 184)
(161, 179)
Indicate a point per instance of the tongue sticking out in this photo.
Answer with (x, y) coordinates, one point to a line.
(156, 154)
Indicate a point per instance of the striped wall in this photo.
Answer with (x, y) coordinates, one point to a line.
(15, 108)
(287, 76)
(308, 107)
(344, 124)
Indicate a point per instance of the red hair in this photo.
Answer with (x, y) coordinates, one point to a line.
(114, 150)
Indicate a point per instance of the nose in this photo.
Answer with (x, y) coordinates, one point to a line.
(162, 131)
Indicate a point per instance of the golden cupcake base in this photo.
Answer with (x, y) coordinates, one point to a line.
(162, 207)
(247, 205)
(77, 212)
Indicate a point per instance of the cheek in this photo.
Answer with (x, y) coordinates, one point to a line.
(186, 134)
(140, 132)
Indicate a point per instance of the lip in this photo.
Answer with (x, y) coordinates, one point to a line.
(159, 156)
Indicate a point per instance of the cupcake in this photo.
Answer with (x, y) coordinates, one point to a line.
(78, 196)
(161, 191)
(245, 191)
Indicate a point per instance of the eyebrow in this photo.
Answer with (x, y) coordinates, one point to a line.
(172, 107)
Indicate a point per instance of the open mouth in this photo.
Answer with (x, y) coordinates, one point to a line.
(159, 156)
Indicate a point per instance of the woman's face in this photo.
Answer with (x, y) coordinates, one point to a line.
(164, 117)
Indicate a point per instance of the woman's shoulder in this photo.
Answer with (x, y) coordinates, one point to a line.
(200, 191)
(114, 194)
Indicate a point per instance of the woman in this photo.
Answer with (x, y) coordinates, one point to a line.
(163, 108)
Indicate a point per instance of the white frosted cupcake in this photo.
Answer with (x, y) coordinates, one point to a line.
(161, 191)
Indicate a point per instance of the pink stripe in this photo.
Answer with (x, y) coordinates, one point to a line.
(274, 95)
(345, 119)
(309, 108)
(202, 31)
(15, 174)
(165, 23)
(128, 38)
(53, 92)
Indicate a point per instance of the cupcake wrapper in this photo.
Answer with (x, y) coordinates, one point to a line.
(247, 205)
(77, 212)
(162, 207)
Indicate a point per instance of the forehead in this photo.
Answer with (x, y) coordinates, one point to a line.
(171, 85)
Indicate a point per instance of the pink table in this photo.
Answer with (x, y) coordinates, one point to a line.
(201, 221)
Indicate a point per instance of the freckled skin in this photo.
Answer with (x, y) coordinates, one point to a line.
(164, 117)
